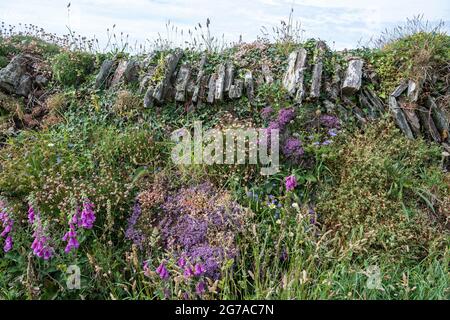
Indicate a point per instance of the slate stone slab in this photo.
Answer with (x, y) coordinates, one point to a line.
(353, 77)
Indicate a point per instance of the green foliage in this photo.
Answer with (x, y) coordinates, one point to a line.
(71, 68)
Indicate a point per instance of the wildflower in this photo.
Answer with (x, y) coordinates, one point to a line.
(8, 244)
(132, 233)
(326, 142)
(332, 133)
(87, 214)
(266, 112)
(162, 271)
(199, 269)
(71, 238)
(200, 288)
(331, 122)
(292, 148)
(31, 215)
(41, 247)
(285, 116)
(181, 262)
(188, 272)
(291, 183)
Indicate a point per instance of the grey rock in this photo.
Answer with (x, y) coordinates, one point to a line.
(200, 79)
(24, 87)
(106, 70)
(267, 73)
(131, 74)
(229, 76)
(41, 81)
(148, 98)
(211, 88)
(413, 120)
(249, 87)
(170, 64)
(220, 82)
(353, 77)
(181, 83)
(293, 78)
(236, 89)
(317, 70)
(440, 119)
(11, 76)
(400, 89)
(118, 74)
(400, 117)
(428, 124)
(413, 90)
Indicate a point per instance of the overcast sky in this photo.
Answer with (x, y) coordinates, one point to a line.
(343, 21)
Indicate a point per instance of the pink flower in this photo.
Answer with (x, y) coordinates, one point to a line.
(291, 183)
(162, 271)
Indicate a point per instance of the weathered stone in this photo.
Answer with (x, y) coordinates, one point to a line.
(267, 73)
(220, 83)
(400, 117)
(146, 79)
(106, 70)
(148, 98)
(399, 90)
(181, 83)
(428, 124)
(413, 120)
(364, 101)
(200, 79)
(118, 74)
(249, 86)
(211, 88)
(24, 87)
(236, 89)
(369, 100)
(170, 64)
(353, 77)
(131, 73)
(229, 76)
(11, 76)
(293, 79)
(413, 90)
(317, 70)
(41, 81)
(376, 102)
(439, 117)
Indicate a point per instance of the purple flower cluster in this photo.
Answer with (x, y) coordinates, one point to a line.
(292, 149)
(41, 243)
(330, 122)
(285, 116)
(71, 237)
(162, 271)
(7, 223)
(87, 214)
(133, 233)
(198, 225)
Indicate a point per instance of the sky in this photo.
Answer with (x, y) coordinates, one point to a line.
(342, 23)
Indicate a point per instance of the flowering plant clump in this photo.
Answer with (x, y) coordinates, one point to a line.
(291, 183)
(197, 226)
(292, 149)
(42, 243)
(7, 223)
(330, 121)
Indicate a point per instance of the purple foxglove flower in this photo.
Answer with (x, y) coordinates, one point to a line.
(199, 269)
(291, 183)
(162, 271)
(181, 262)
(188, 272)
(87, 215)
(200, 288)
(31, 215)
(8, 244)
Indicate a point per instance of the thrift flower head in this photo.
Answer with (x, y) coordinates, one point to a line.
(291, 183)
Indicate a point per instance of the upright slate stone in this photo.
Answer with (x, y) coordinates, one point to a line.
(293, 78)
(399, 117)
(170, 64)
(353, 77)
(249, 86)
(236, 89)
(200, 79)
(106, 70)
(220, 83)
(229, 76)
(317, 70)
(181, 83)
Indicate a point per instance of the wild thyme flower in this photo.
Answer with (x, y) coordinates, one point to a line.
(285, 116)
(292, 148)
(330, 122)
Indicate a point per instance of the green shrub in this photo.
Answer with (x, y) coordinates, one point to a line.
(71, 68)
